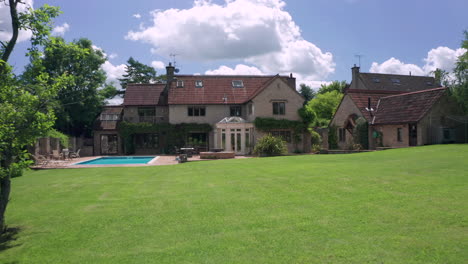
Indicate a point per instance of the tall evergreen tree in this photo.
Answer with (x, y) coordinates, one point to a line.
(137, 72)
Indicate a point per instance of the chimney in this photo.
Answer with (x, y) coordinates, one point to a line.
(292, 81)
(170, 72)
(354, 81)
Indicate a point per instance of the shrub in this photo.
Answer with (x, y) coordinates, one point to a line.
(270, 146)
(64, 140)
(315, 138)
(332, 137)
(360, 133)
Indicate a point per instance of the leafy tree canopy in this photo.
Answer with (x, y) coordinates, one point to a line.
(334, 86)
(324, 106)
(80, 101)
(307, 92)
(137, 72)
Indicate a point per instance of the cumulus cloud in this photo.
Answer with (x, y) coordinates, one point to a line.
(396, 66)
(5, 21)
(258, 32)
(137, 16)
(157, 65)
(113, 56)
(240, 69)
(60, 30)
(439, 58)
(114, 72)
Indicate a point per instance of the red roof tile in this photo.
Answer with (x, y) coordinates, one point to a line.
(216, 87)
(143, 94)
(360, 98)
(407, 107)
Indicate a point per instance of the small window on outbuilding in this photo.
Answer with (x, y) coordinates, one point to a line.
(400, 134)
(180, 83)
(342, 134)
(198, 84)
(237, 84)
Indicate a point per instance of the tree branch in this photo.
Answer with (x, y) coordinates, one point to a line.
(14, 37)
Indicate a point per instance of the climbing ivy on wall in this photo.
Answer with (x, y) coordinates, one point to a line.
(175, 134)
(267, 124)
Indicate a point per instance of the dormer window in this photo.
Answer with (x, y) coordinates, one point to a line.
(429, 83)
(198, 84)
(180, 84)
(395, 81)
(237, 84)
(376, 80)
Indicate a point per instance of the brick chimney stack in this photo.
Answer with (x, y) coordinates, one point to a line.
(355, 80)
(170, 72)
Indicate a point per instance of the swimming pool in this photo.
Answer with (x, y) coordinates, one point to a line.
(118, 160)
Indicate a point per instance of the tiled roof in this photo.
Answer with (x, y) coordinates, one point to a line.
(143, 94)
(360, 98)
(216, 87)
(394, 82)
(407, 107)
(112, 110)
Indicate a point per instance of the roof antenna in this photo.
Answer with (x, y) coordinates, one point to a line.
(359, 56)
(409, 73)
(174, 63)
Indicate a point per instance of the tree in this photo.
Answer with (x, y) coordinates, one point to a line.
(334, 86)
(307, 92)
(79, 102)
(137, 72)
(460, 86)
(24, 114)
(324, 106)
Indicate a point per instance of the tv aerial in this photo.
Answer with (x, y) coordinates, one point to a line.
(173, 57)
(359, 56)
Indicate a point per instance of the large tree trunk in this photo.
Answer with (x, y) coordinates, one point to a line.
(5, 186)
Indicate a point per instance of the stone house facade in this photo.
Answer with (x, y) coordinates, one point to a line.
(229, 104)
(401, 111)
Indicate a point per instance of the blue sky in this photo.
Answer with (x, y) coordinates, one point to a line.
(316, 40)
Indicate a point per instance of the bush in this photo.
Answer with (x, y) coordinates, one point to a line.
(360, 133)
(64, 139)
(315, 138)
(270, 146)
(332, 137)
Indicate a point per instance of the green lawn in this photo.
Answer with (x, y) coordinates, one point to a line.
(394, 206)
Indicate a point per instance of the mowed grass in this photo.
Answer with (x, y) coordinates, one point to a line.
(394, 206)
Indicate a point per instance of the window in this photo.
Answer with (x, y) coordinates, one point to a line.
(198, 84)
(236, 110)
(180, 84)
(146, 111)
(395, 81)
(109, 117)
(285, 135)
(399, 134)
(196, 111)
(237, 84)
(342, 134)
(197, 139)
(376, 80)
(250, 109)
(429, 83)
(279, 108)
(147, 141)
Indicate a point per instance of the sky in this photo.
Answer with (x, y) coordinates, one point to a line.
(318, 41)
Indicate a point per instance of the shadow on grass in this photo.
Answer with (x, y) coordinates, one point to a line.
(6, 239)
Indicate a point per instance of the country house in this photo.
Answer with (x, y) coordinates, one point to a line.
(202, 111)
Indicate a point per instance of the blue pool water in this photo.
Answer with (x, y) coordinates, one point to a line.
(117, 160)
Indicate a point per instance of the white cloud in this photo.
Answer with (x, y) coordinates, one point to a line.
(395, 66)
(137, 16)
(114, 72)
(158, 65)
(240, 69)
(441, 57)
(5, 21)
(60, 30)
(258, 32)
(113, 56)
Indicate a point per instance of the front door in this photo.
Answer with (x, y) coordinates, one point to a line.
(109, 144)
(236, 141)
(413, 135)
